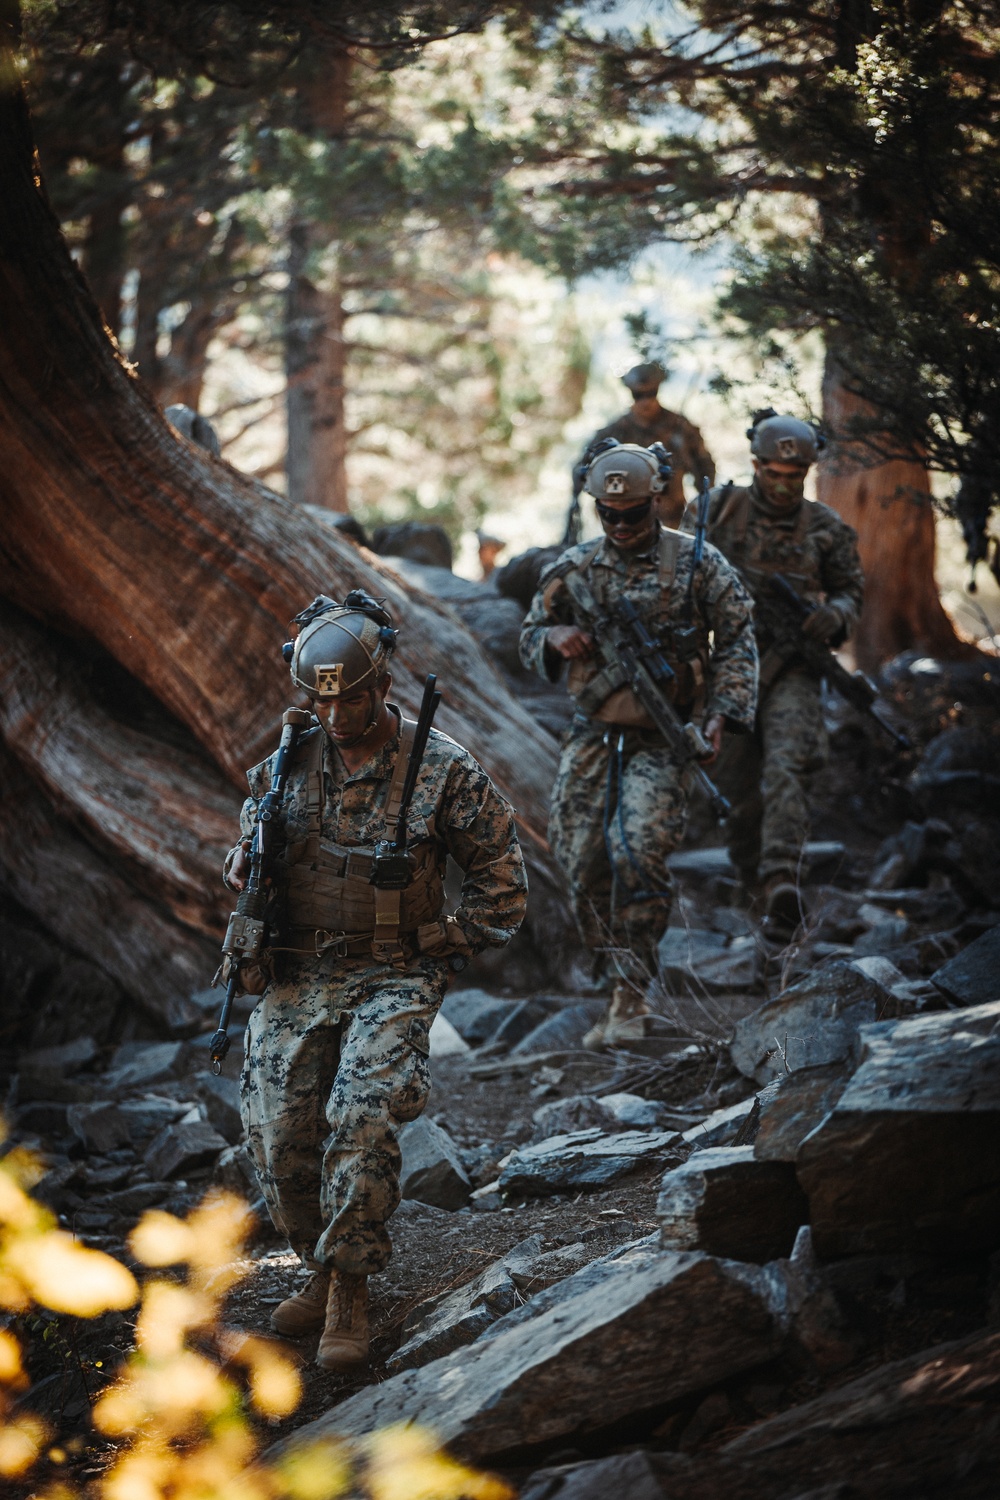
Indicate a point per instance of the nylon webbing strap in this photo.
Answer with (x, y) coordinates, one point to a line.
(389, 904)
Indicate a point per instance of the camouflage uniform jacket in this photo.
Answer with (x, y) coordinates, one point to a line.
(811, 546)
(454, 804)
(721, 606)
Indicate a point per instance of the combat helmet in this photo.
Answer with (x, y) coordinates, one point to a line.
(341, 648)
(778, 439)
(625, 471)
(644, 380)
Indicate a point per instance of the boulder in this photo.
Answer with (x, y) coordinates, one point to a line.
(69, 1057)
(795, 1105)
(445, 1040)
(632, 1476)
(183, 1148)
(130, 1202)
(632, 1112)
(474, 1014)
(728, 1203)
(563, 1031)
(432, 1169)
(567, 1116)
(972, 977)
(456, 1318)
(646, 1333)
(710, 864)
(140, 1064)
(221, 1098)
(100, 1125)
(909, 1155)
(522, 1017)
(813, 1022)
(235, 1171)
(719, 1128)
(584, 1160)
(145, 1117)
(694, 960)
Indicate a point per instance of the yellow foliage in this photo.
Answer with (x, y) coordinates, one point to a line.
(405, 1463)
(67, 1277)
(11, 1369)
(21, 1441)
(320, 1471)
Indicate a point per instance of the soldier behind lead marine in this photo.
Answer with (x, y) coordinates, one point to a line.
(765, 528)
(620, 798)
(336, 1056)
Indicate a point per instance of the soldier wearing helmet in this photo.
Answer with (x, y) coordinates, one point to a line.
(764, 528)
(336, 1049)
(648, 422)
(620, 798)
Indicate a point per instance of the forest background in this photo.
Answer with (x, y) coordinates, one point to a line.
(403, 276)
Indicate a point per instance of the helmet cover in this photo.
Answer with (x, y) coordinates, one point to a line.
(778, 439)
(626, 472)
(342, 650)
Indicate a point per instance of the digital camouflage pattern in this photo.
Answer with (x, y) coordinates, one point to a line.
(684, 443)
(336, 1049)
(765, 777)
(335, 1063)
(615, 819)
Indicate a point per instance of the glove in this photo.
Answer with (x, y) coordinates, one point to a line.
(823, 623)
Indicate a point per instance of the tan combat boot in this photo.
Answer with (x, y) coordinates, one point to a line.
(306, 1311)
(624, 1022)
(345, 1334)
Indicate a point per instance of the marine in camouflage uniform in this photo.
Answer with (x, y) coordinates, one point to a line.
(337, 1048)
(620, 798)
(765, 528)
(648, 422)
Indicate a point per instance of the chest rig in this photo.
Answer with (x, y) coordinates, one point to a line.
(330, 902)
(787, 550)
(603, 693)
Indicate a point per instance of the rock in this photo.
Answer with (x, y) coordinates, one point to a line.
(67, 1058)
(221, 1098)
(795, 1106)
(632, 1112)
(522, 1017)
(42, 1117)
(456, 1318)
(183, 1148)
(421, 541)
(909, 1156)
(140, 1064)
(552, 1267)
(808, 1309)
(813, 1022)
(636, 1252)
(728, 1203)
(710, 864)
(144, 1117)
(629, 1475)
(235, 1171)
(101, 1126)
(972, 977)
(132, 1201)
(885, 930)
(445, 1040)
(584, 1160)
(719, 1128)
(566, 1116)
(694, 960)
(432, 1169)
(563, 1031)
(647, 1333)
(474, 1014)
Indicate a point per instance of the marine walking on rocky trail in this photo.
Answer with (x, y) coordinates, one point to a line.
(769, 532)
(620, 800)
(337, 1048)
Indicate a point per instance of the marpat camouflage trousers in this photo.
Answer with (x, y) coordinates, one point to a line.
(614, 820)
(336, 1061)
(764, 776)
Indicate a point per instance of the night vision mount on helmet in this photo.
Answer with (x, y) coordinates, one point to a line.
(341, 648)
(779, 439)
(626, 471)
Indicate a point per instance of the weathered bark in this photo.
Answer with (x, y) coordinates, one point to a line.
(889, 505)
(186, 572)
(92, 908)
(169, 813)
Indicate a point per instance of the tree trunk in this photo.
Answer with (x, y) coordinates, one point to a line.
(315, 371)
(119, 532)
(889, 505)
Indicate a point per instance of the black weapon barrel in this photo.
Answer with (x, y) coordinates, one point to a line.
(428, 708)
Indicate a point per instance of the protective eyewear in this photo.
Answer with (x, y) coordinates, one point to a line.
(628, 515)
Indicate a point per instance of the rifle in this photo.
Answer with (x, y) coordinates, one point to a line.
(625, 643)
(392, 868)
(245, 934)
(790, 641)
